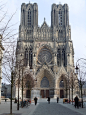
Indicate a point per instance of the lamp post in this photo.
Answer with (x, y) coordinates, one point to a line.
(72, 85)
(78, 71)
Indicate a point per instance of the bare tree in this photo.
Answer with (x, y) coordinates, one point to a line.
(9, 73)
(24, 79)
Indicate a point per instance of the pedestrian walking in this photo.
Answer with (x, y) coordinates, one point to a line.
(5, 100)
(35, 99)
(76, 99)
(57, 99)
(48, 100)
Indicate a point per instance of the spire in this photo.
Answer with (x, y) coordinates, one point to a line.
(44, 19)
(59, 2)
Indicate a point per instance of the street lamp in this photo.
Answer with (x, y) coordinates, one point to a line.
(78, 71)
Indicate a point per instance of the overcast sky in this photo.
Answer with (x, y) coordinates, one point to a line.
(77, 19)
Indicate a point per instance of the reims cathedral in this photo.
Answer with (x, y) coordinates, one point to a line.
(47, 53)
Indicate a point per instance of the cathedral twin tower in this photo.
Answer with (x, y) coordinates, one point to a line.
(47, 51)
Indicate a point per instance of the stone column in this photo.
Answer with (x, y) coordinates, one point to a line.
(0, 89)
(55, 89)
(0, 81)
(55, 93)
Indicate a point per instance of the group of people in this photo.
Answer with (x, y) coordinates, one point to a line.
(35, 100)
(76, 99)
(25, 102)
(49, 99)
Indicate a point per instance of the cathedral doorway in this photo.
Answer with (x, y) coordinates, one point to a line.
(44, 84)
(47, 93)
(44, 93)
(61, 93)
(61, 85)
(27, 93)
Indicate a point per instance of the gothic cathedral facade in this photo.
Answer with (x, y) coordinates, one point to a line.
(48, 52)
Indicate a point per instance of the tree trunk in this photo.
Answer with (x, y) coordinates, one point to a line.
(22, 91)
(18, 90)
(72, 91)
(72, 95)
(81, 90)
(66, 89)
(18, 96)
(11, 93)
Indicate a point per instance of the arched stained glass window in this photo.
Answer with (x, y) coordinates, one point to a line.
(29, 18)
(61, 84)
(23, 16)
(60, 17)
(26, 57)
(63, 56)
(44, 82)
(59, 57)
(54, 16)
(30, 58)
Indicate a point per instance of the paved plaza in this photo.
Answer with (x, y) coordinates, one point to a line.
(43, 108)
(53, 109)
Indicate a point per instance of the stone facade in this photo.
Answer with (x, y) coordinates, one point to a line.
(48, 52)
(1, 56)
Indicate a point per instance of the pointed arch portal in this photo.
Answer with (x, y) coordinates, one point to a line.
(46, 83)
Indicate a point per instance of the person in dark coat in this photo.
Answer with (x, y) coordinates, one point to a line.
(48, 100)
(35, 99)
(57, 99)
(5, 99)
(76, 99)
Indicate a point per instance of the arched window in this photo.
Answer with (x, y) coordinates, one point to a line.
(26, 57)
(23, 16)
(60, 17)
(54, 16)
(29, 18)
(63, 56)
(60, 34)
(30, 58)
(61, 84)
(59, 57)
(44, 82)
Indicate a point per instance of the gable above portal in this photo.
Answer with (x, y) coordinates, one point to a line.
(44, 25)
(62, 71)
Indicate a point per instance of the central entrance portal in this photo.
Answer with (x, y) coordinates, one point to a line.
(44, 93)
(44, 84)
(61, 94)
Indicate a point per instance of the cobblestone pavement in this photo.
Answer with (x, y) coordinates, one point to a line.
(53, 109)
